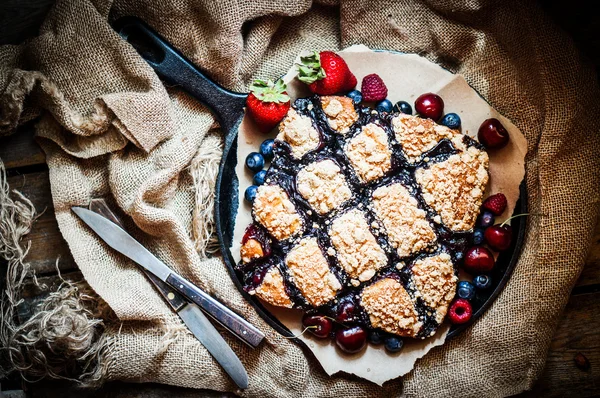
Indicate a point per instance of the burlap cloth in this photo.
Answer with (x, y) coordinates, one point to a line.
(110, 128)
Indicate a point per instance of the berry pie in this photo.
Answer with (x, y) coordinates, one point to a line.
(363, 217)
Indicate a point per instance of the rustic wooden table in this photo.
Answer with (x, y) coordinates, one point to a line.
(578, 330)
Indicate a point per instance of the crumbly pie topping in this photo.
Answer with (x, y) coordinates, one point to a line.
(369, 153)
(272, 289)
(454, 188)
(323, 185)
(340, 113)
(298, 131)
(405, 224)
(251, 250)
(357, 249)
(274, 210)
(435, 281)
(418, 135)
(311, 273)
(390, 308)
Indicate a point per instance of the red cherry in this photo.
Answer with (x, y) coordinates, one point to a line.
(498, 237)
(460, 311)
(479, 260)
(492, 134)
(345, 312)
(317, 324)
(351, 340)
(430, 105)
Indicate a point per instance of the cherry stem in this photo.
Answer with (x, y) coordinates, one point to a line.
(519, 215)
(301, 333)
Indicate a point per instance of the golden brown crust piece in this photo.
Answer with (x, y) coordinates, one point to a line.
(298, 131)
(274, 210)
(406, 226)
(310, 272)
(272, 289)
(455, 187)
(323, 186)
(390, 308)
(340, 112)
(435, 282)
(369, 153)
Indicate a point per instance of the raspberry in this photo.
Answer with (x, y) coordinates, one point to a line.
(460, 311)
(373, 88)
(495, 203)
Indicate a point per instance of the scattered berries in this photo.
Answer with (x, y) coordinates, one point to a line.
(385, 106)
(356, 96)
(478, 260)
(495, 203)
(375, 337)
(266, 149)
(482, 282)
(259, 178)
(485, 219)
(373, 88)
(267, 103)
(393, 344)
(403, 107)
(255, 161)
(465, 290)
(460, 311)
(430, 105)
(250, 193)
(492, 134)
(326, 73)
(498, 237)
(319, 325)
(345, 312)
(451, 120)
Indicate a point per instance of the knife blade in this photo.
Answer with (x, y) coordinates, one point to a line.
(125, 244)
(192, 316)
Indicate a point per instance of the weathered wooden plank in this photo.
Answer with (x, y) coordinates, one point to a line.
(21, 19)
(20, 149)
(577, 333)
(591, 272)
(47, 244)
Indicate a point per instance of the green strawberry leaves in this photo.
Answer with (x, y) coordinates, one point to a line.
(310, 70)
(269, 91)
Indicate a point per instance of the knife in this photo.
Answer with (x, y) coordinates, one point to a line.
(125, 244)
(191, 315)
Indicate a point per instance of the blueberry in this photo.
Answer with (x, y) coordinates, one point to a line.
(403, 107)
(250, 193)
(478, 236)
(465, 290)
(355, 95)
(259, 178)
(451, 120)
(266, 149)
(385, 106)
(393, 344)
(375, 337)
(255, 161)
(486, 219)
(482, 282)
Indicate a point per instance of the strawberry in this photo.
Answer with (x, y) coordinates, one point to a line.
(495, 203)
(373, 88)
(326, 73)
(267, 103)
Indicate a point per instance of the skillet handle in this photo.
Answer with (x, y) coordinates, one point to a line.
(174, 68)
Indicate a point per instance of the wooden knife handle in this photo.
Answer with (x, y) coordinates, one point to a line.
(219, 312)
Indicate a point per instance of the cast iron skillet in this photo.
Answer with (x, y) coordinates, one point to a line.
(228, 107)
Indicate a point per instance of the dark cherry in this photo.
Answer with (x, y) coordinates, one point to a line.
(498, 237)
(430, 105)
(478, 259)
(318, 324)
(351, 340)
(492, 134)
(345, 312)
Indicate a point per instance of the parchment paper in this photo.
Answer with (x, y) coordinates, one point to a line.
(407, 76)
